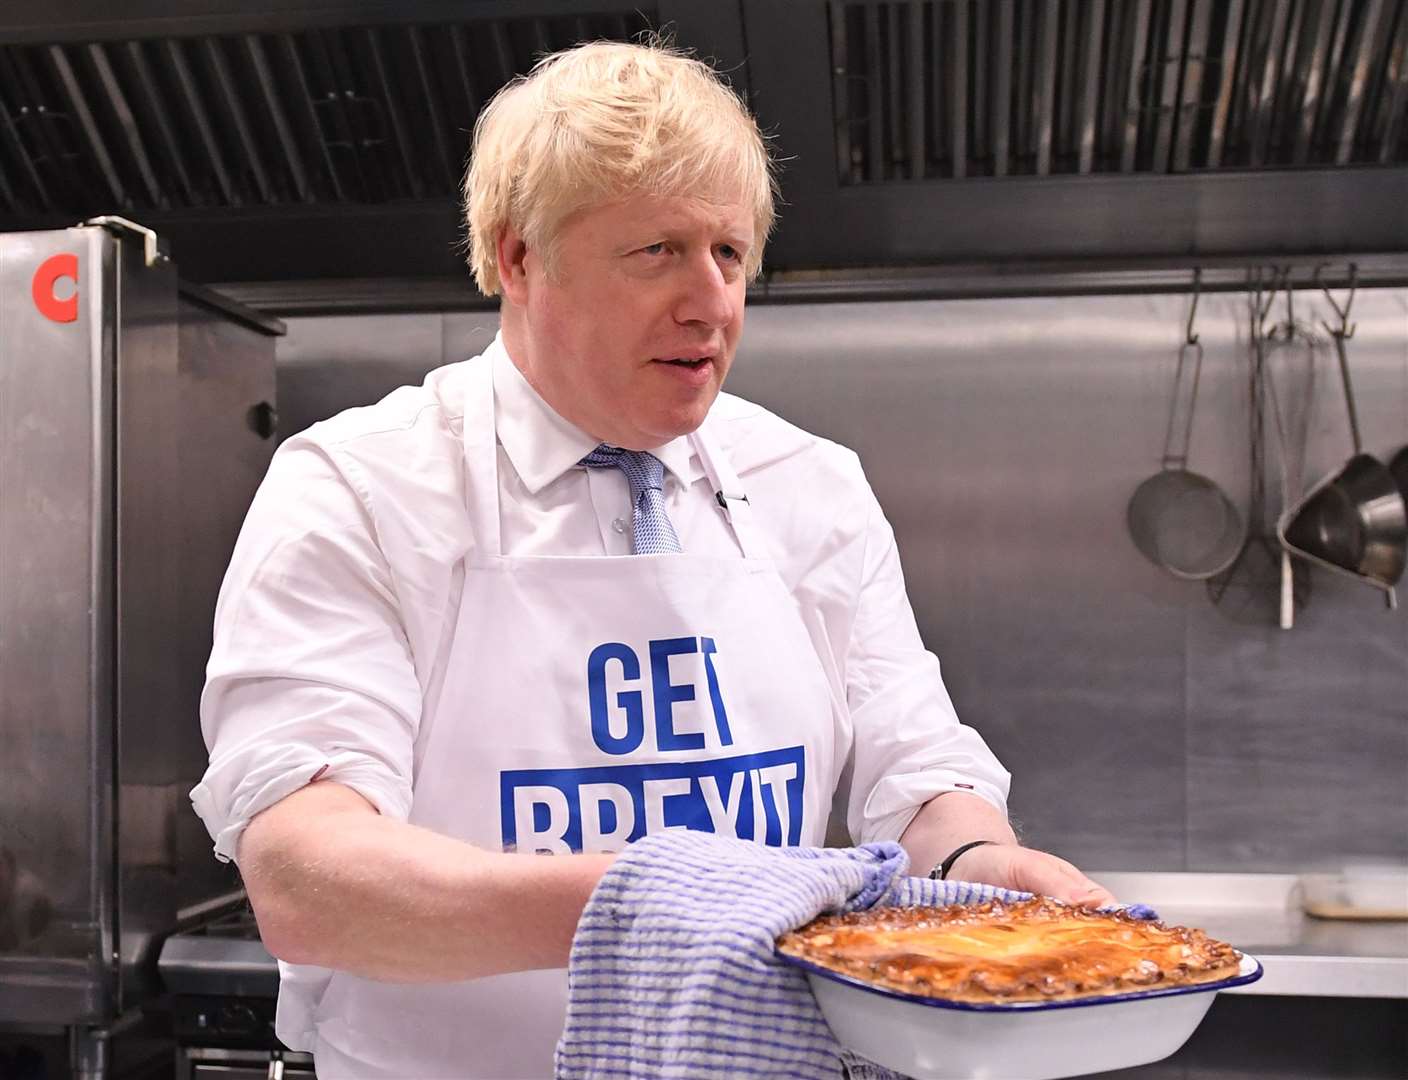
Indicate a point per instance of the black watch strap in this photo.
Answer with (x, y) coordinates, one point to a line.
(940, 872)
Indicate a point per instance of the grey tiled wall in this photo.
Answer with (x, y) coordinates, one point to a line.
(1144, 726)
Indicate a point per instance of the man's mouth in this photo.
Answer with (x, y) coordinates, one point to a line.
(693, 372)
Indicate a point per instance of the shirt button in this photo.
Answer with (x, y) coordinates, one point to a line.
(619, 524)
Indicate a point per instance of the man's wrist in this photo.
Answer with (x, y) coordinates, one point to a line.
(944, 868)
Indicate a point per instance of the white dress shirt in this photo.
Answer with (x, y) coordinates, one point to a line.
(336, 613)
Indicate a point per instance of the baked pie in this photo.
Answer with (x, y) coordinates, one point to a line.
(998, 953)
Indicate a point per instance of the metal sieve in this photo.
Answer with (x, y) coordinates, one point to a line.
(1180, 520)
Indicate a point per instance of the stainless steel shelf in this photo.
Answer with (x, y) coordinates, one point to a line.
(1258, 913)
(1261, 915)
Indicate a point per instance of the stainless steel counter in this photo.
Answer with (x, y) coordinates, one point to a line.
(1258, 913)
(1261, 915)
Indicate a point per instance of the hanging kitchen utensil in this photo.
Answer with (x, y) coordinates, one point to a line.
(1248, 590)
(1288, 363)
(1180, 520)
(1399, 467)
(1353, 521)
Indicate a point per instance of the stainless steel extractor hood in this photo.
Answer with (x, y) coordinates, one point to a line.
(326, 138)
(327, 114)
(926, 90)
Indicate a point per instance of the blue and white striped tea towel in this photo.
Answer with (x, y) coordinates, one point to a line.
(673, 973)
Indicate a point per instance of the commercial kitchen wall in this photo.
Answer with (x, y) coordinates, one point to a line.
(1145, 726)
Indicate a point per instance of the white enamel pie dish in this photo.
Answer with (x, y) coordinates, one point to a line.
(935, 1039)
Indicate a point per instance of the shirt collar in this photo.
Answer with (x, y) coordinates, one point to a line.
(541, 445)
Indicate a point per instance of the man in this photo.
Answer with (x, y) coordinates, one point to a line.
(477, 622)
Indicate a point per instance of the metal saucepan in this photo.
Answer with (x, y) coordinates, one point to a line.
(1399, 467)
(1181, 520)
(1354, 521)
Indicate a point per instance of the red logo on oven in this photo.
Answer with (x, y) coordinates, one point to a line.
(46, 277)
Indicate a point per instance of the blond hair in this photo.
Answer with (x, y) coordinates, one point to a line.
(597, 123)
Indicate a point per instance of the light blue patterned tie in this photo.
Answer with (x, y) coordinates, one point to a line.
(651, 531)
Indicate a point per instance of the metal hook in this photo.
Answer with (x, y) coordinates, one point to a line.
(1254, 295)
(1192, 338)
(1263, 310)
(1289, 327)
(1346, 330)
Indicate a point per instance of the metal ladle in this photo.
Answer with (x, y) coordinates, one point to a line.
(1180, 520)
(1295, 344)
(1257, 574)
(1353, 521)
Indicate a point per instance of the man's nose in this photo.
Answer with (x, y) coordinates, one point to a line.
(705, 295)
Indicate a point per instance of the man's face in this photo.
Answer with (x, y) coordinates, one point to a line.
(632, 334)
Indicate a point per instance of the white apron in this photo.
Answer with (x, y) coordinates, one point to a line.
(589, 701)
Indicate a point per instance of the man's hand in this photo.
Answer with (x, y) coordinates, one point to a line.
(955, 817)
(1014, 867)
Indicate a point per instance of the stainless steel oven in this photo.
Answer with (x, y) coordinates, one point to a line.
(136, 420)
(222, 989)
(210, 1064)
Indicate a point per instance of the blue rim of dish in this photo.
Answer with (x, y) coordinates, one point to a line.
(1244, 976)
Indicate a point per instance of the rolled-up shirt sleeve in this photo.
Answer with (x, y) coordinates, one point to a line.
(909, 744)
(311, 674)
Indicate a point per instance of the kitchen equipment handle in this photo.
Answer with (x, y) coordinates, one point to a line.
(151, 243)
(1177, 457)
(1288, 592)
(1344, 332)
(263, 419)
(1348, 391)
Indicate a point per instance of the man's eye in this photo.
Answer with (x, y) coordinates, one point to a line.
(657, 248)
(730, 253)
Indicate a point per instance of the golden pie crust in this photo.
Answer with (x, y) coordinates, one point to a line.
(1004, 953)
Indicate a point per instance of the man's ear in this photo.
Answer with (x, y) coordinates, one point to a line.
(510, 253)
